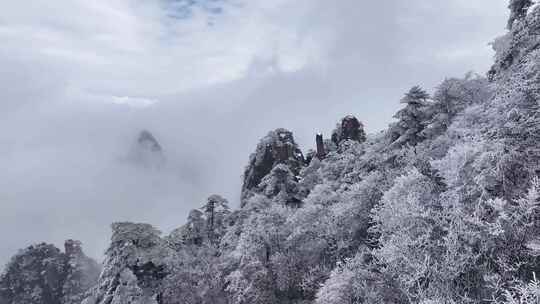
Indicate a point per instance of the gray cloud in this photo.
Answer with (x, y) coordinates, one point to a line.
(78, 86)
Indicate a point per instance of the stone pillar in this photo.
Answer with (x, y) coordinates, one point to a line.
(320, 146)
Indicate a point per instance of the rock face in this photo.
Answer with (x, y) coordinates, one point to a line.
(278, 147)
(42, 274)
(350, 128)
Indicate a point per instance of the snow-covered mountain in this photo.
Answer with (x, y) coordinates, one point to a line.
(442, 207)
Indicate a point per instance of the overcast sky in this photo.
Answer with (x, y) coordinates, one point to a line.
(79, 79)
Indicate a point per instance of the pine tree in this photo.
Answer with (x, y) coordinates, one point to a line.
(215, 211)
(410, 119)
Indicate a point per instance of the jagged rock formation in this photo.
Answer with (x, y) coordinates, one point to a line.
(278, 147)
(42, 274)
(350, 128)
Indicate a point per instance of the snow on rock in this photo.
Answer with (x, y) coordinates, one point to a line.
(278, 147)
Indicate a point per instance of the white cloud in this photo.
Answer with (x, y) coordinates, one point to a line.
(114, 46)
(133, 101)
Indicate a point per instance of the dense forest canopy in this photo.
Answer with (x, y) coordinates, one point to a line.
(442, 207)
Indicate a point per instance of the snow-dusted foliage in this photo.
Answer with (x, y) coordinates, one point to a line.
(518, 10)
(452, 97)
(42, 274)
(442, 207)
(350, 128)
(81, 274)
(35, 275)
(411, 119)
(135, 266)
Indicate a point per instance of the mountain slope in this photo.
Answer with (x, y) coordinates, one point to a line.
(442, 207)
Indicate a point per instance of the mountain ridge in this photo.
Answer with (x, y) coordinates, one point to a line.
(442, 207)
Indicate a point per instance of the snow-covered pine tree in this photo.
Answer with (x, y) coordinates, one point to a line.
(411, 119)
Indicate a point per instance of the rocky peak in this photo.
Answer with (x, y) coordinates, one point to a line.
(147, 152)
(278, 147)
(73, 247)
(350, 128)
(147, 141)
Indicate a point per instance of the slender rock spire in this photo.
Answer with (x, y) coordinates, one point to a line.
(320, 146)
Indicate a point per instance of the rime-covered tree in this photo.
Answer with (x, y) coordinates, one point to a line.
(511, 118)
(34, 275)
(42, 274)
(281, 185)
(453, 96)
(408, 128)
(349, 128)
(215, 211)
(518, 9)
(194, 232)
(135, 265)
